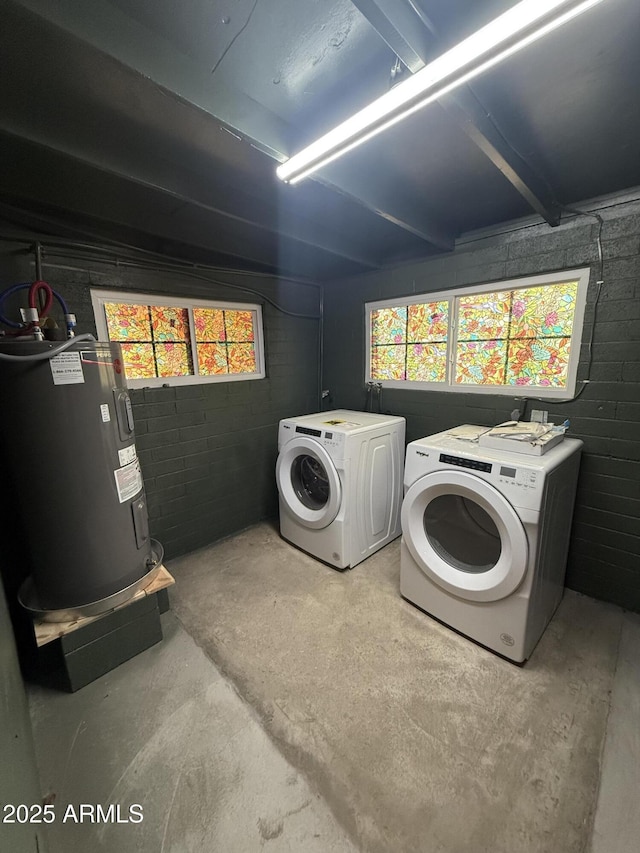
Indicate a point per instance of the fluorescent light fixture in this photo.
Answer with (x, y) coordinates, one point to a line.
(521, 25)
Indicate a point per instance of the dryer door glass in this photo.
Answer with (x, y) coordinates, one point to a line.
(462, 533)
(465, 535)
(310, 481)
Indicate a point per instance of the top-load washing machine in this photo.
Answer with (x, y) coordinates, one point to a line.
(339, 477)
(485, 536)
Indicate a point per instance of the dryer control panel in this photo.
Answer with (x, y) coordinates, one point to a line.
(461, 462)
(522, 484)
(521, 478)
(524, 478)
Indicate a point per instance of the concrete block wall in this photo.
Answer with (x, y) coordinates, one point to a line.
(207, 451)
(604, 558)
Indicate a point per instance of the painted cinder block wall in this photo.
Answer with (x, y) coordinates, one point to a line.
(208, 451)
(604, 558)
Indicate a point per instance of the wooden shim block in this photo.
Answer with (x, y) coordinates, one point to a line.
(47, 632)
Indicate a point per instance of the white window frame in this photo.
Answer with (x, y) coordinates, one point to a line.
(100, 297)
(451, 296)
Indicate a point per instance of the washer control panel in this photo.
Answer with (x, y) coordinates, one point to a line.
(308, 431)
(333, 441)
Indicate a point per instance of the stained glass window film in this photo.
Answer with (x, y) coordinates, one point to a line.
(242, 358)
(239, 326)
(209, 324)
(128, 322)
(481, 362)
(388, 362)
(484, 316)
(514, 334)
(389, 326)
(409, 342)
(172, 359)
(154, 339)
(169, 324)
(177, 341)
(544, 312)
(518, 337)
(139, 362)
(543, 362)
(224, 341)
(428, 322)
(212, 359)
(427, 362)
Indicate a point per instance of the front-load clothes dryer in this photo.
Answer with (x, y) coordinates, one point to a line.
(339, 478)
(485, 536)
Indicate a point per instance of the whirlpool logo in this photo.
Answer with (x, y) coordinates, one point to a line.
(421, 453)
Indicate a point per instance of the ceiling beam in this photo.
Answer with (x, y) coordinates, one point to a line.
(232, 229)
(216, 172)
(400, 28)
(400, 24)
(344, 179)
(467, 111)
(119, 36)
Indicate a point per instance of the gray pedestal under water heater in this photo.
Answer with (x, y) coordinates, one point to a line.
(67, 438)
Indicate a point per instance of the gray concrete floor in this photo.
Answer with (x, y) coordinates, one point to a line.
(191, 734)
(617, 820)
(167, 731)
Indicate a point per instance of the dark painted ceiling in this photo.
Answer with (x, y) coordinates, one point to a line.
(160, 123)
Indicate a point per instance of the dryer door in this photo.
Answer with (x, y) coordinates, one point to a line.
(308, 482)
(465, 535)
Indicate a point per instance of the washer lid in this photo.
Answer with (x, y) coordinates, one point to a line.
(465, 535)
(308, 482)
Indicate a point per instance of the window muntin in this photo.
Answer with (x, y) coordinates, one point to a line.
(176, 341)
(483, 339)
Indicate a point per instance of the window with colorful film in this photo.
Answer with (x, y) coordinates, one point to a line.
(204, 341)
(480, 339)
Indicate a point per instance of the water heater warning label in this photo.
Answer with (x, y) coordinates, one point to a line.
(128, 481)
(66, 368)
(127, 454)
